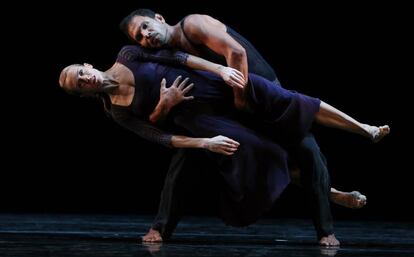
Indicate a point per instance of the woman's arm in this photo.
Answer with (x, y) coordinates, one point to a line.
(231, 76)
(169, 97)
(218, 144)
(175, 94)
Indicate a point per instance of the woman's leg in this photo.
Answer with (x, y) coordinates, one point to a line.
(352, 200)
(332, 117)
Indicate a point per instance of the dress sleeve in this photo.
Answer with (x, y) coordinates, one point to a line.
(164, 56)
(142, 128)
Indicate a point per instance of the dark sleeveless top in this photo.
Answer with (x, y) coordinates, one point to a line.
(135, 122)
(256, 175)
(256, 63)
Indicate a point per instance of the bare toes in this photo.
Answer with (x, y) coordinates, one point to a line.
(358, 200)
(381, 132)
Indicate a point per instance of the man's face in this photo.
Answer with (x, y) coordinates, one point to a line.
(148, 32)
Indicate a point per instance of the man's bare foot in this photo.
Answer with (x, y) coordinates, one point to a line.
(377, 133)
(353, 200)
(329, 241)
(153, 247)
(152, 236)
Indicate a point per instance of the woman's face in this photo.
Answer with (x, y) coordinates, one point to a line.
(82, 79)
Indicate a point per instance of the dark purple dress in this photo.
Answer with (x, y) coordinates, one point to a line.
(256, 175)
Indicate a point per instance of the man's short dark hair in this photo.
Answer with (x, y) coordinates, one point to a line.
(139, 12)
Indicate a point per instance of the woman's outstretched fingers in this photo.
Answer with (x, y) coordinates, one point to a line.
(187, 88)
(163, 83)
(183, 83)
(176, 81)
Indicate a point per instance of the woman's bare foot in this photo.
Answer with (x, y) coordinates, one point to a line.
(329, 241)
(152, 236)
(376, 133)
(353, 200)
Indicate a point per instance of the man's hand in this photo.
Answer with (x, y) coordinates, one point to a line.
(222, 145)
(175, 94)
(232, 77)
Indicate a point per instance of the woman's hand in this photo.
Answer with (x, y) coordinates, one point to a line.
(175, 94)
(232, 77)
(170, 97)
(222, 145)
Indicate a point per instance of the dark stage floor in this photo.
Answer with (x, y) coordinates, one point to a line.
(115, 235)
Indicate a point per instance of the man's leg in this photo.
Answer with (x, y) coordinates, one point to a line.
(188, 173)
(352, 200)
(316, 182)
(169, 210)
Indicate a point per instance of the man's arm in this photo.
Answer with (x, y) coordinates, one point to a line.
(169, 97)
(231, 76)
(203, 29)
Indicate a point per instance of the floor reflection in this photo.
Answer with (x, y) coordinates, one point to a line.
(119, 236)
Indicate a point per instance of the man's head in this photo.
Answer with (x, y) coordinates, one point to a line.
(82, 79)
(146, 28)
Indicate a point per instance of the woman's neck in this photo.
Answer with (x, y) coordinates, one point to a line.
(124, 87)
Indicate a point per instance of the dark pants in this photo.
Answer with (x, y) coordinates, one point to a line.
(187, 163)
(191, 175)
(169, 211)
(315, 181)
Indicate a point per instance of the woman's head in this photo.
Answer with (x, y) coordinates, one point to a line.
(82, 79)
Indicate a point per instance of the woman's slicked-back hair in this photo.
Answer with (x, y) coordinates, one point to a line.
(62, 78)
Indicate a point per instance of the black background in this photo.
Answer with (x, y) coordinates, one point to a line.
(62, 154)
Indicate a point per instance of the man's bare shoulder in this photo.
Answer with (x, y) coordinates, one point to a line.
(197, 20)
